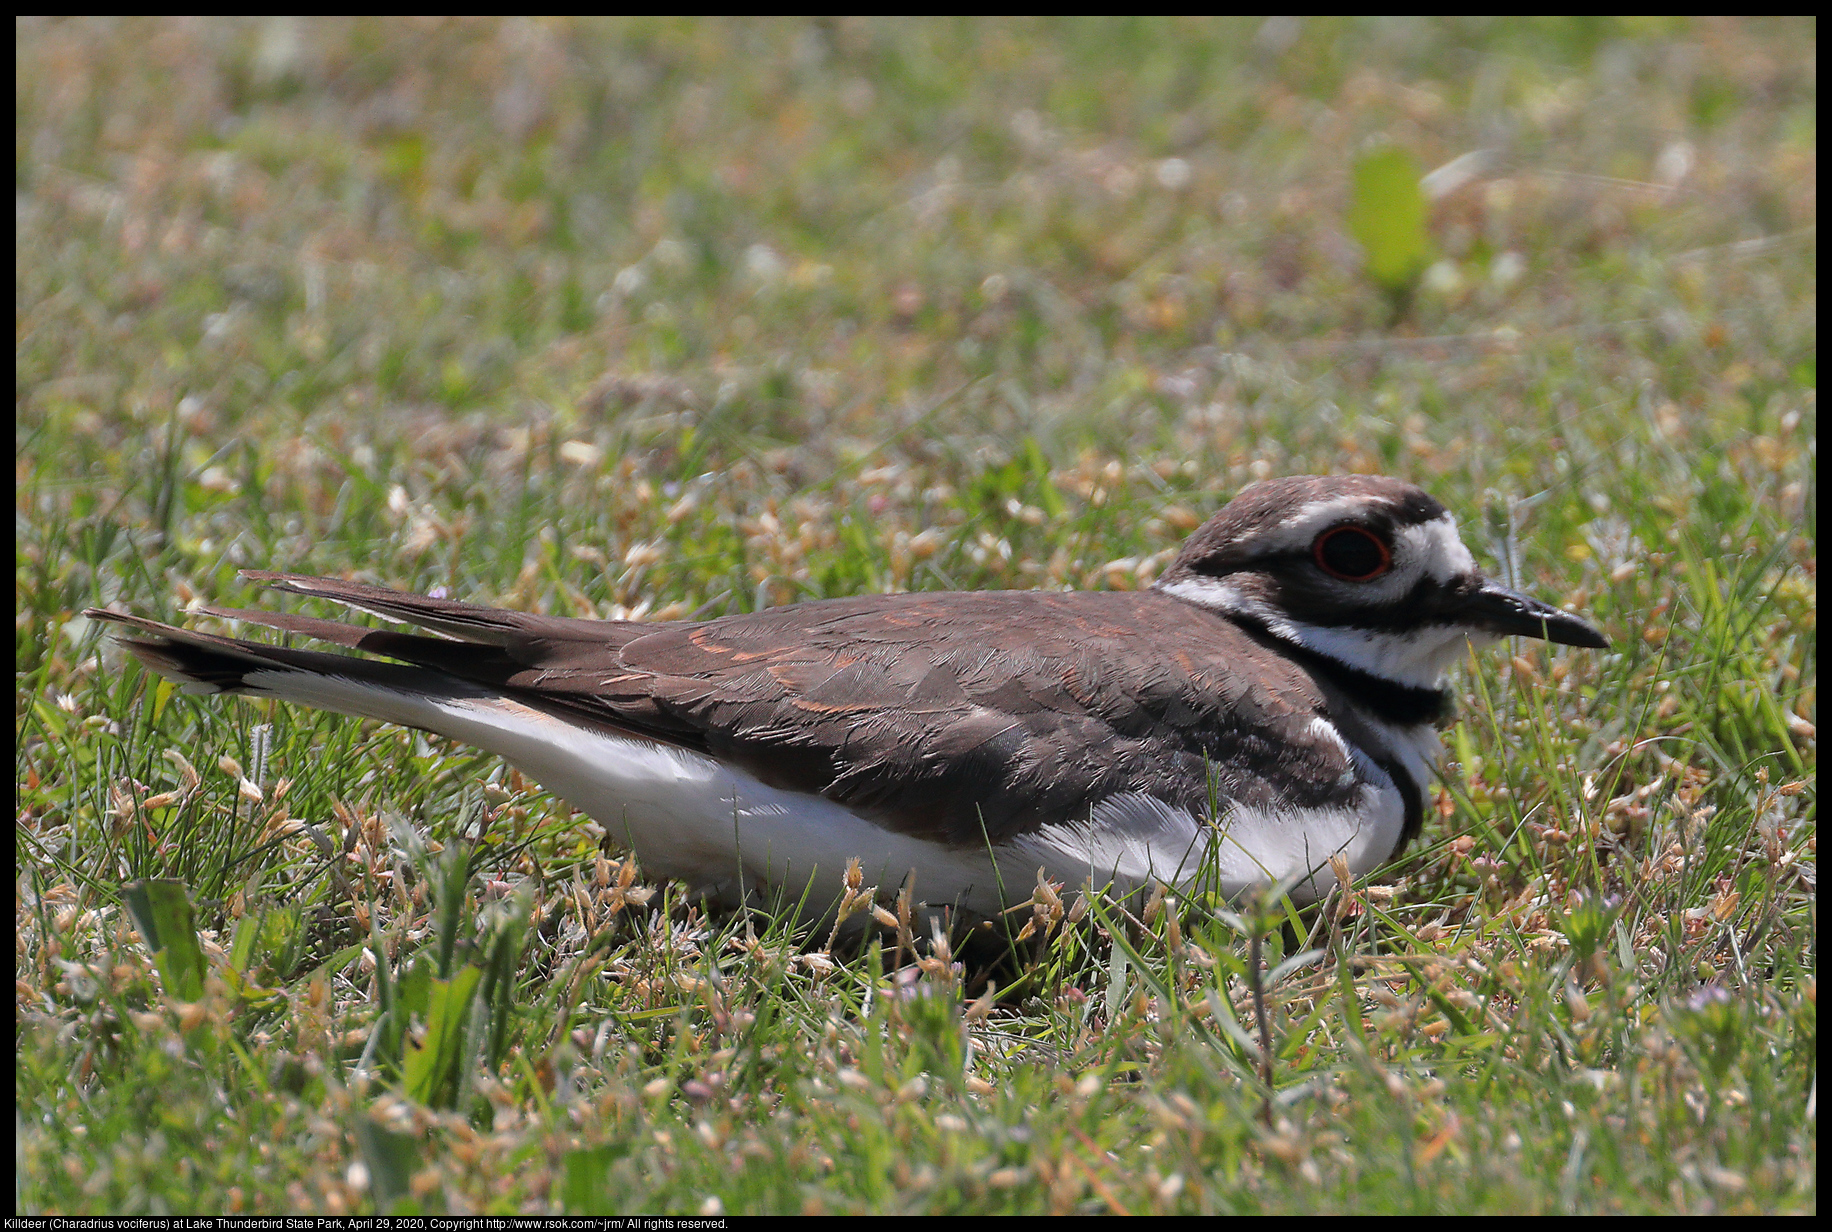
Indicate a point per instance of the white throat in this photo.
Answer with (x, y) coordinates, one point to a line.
(1420, 659)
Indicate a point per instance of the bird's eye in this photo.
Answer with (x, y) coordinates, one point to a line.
(1351, 554)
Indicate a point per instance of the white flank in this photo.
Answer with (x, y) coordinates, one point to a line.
(1134, 840)
(685, 814)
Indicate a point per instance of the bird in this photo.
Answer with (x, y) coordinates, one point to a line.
(1264, 713)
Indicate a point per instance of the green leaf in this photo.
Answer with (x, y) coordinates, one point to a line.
(391, 1159)
(432, 1066)
(1294, 963)
(582, 1188)
(1387, 213)
(413, 991)
(1048, 498)
(502, 947)
(162, 912)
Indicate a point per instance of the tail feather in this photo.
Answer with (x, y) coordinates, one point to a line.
(479, 661)
(211, 663)
(433, 671)
(468, 622)
(480, 645)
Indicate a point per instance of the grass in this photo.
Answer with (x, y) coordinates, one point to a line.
(634, 319)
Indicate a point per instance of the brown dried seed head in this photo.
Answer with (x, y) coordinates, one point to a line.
(189, 772)
(1339, 865)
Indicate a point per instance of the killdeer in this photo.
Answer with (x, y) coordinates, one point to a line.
(1269, 703)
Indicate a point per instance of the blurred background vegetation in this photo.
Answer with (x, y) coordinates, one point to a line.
(632, 318)
(284, 265)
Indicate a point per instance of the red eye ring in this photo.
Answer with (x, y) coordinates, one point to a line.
(1343, 552)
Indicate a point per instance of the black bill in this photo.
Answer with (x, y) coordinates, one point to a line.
(1496, 609)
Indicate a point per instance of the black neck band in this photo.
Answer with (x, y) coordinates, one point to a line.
(1388, 700)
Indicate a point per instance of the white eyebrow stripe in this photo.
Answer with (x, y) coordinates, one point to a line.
(1296, 529)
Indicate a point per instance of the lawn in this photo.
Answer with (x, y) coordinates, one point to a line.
(638, 319)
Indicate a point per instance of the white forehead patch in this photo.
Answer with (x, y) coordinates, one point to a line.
(1435, 550)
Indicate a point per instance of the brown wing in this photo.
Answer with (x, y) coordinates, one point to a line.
(960, 716)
